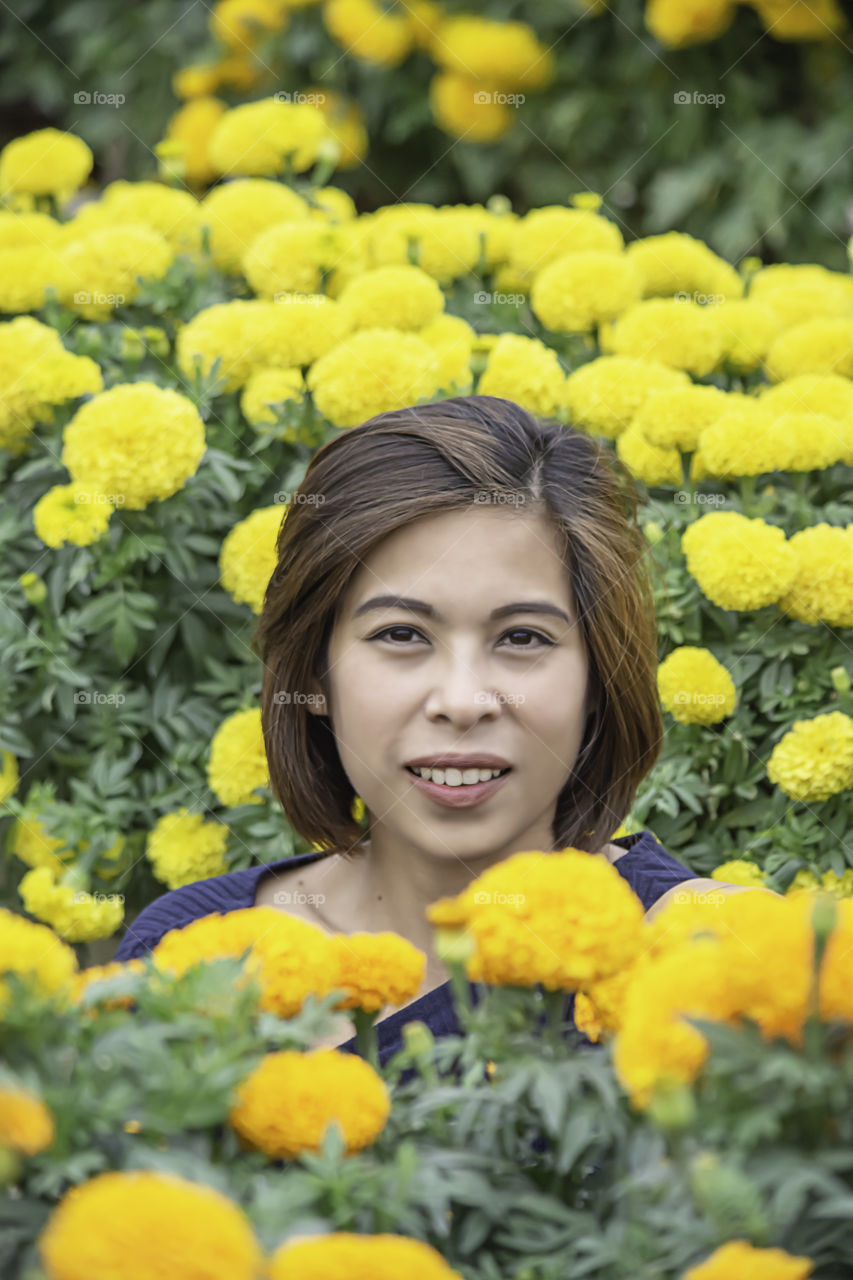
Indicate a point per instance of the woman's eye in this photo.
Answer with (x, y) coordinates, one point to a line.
(516, 631)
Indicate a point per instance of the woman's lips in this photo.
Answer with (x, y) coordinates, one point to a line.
(461, 797)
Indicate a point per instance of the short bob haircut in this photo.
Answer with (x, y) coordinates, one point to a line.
(399, 466)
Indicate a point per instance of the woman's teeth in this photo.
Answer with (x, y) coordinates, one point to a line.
(458, 777)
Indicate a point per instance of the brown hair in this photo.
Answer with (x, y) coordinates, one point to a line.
(401, 465)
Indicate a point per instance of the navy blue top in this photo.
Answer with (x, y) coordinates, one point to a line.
(647, 867)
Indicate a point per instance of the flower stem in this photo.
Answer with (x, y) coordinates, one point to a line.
(365, 1036)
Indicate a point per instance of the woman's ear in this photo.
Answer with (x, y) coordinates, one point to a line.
(316, 703)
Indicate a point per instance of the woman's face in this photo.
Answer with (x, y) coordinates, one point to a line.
(403, 685)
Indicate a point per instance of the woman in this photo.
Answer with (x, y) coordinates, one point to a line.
(460, 630)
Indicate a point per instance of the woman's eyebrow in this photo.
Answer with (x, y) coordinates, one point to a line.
(420, 606)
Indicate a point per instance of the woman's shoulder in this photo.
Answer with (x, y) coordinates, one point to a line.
(178, 907)
(648, 868)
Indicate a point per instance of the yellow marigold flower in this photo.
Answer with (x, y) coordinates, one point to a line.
(104, 268)
(826, 393)
(245, 335)
(137, 442)
(378, 969)
(26, 1124)
(175, 214)
(695, 687)
(681, 334)
(824, 345)
(551, 232)
(446, 244)
(835, 993)
(288, 1102)
(676, 419)
(74, 914)
(26, 273)
(822, 587)
(34, 952)
(332, 204)
(183, 848)
(368, 31)
(839, 886)
(238, 761)
(122, 1222)
(749, 330)
(814, 760)
(811, 441)
(304, 256)
(372, 372)
(259, 139)
(392, 297)
(239, 24)
(358, 1257)
(452, 339)
(346, 124)
(800, 20)
(25, 230)
(68, 513)
(575, 293)
(32, 844)
(506, 54)
(248, 556)
(739, 563)
(586, 1018)
(196, 81)
(524, 370)
(238, 211)
(465, 109)
(654, 1044)
(603, 395)
(268, 387)
(797, 291)
(556, 918)
(740, 871)
(9, 776)
(677, 24)
(82, 981)
(36, 373)
(291, 958)
(648, 462)
(740, 1258)
(602, 1005)
(742, 441)
(45, 162)
(191, 127)
(679, 263)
